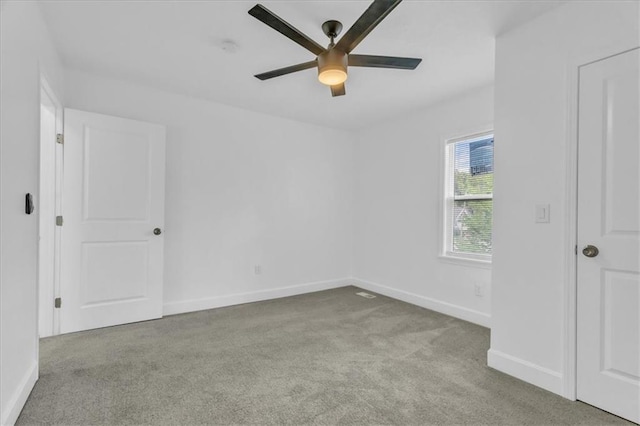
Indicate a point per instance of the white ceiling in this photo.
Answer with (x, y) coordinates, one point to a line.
(178, 46)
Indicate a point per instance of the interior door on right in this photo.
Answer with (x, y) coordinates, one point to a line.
(608, 347)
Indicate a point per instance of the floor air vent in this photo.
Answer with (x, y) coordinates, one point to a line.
(367, 295)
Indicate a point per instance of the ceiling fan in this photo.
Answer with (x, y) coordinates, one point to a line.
(333, 62)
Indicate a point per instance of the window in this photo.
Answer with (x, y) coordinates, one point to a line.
(469, 197)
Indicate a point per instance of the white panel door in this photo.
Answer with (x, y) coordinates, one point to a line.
(608, 349)
(111, 266)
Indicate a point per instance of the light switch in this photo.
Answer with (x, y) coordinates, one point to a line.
(542, 213)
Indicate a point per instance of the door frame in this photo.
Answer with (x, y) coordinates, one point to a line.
(570, 337)
(53, 319)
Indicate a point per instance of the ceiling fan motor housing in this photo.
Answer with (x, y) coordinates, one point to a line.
(332, 67)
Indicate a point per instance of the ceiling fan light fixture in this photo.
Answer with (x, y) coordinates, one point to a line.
(332, 77)
(332, 67)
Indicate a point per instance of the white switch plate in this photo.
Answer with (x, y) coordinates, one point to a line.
(542, 213)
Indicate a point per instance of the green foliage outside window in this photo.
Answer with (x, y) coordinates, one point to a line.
(472, 219)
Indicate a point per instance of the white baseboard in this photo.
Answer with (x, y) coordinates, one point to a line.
(446, 308)
(527, 371)
(172, 308)
(16, 403)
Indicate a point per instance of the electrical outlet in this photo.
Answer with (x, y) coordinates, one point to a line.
(257, 269)
(479, 290)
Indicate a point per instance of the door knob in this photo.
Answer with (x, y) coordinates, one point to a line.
(590, 251)
(157, 231)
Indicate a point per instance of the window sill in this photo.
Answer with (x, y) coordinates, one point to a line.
(466, 261)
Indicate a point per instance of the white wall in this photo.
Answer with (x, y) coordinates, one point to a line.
(532, 118)
(25, 50)
(243, 189)
(398, 186)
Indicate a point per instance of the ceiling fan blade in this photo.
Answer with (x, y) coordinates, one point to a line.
(373, 61)
(338, 90)
(287, 70)
(371, 17)
(283, 27)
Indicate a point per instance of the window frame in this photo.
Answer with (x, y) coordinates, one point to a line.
(448, 200)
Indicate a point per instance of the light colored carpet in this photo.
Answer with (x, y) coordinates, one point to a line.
(330, 357)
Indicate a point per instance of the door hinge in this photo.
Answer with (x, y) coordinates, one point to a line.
(57, 302)
(59, 221)
(60, 138)
(576, 249)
